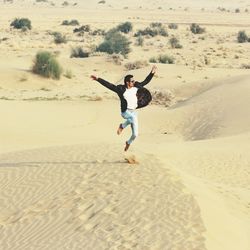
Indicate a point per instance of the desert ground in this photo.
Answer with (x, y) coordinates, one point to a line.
(65, 180)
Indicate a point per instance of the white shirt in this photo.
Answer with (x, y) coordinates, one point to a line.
(131, 98)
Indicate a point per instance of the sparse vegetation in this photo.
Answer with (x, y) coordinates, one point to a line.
(65, 3)
(115, 42)
(173, 26)
(154, 30)
(242, 37)
(245, 66)
(174, 42)
(59, 38)
(125, 27)
(73, 22)
(81, 30)
(196, 29)
(78, 52)
(98, 32)
(163, 97)
(136, 65)
(20, 23)
(45, 64)
(166, 59)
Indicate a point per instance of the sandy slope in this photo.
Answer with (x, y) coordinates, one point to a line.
(86, 195)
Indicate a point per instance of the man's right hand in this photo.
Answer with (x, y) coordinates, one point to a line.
(94, 77)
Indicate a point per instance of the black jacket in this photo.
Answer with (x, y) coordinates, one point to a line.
(120, 89)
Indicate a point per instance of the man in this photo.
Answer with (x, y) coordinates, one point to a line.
(129, 101)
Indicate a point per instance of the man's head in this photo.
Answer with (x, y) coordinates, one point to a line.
(129, 81)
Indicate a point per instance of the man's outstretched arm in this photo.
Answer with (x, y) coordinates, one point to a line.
(104, 83)
(148, 78)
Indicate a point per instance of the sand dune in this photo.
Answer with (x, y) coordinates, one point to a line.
(100, 202)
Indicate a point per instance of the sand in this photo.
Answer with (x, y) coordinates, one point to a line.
(65, 181)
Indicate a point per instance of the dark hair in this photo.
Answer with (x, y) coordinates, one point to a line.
(127, 79)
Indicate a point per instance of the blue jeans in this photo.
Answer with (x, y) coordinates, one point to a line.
(132, 120)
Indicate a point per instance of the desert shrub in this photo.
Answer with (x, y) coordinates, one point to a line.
(146, 31)
(173, 26)
(24, 29)
(245, 66)
(152, 31)
(174, 42)
(237, 10)
(153, 60)
(98, 32)
(139, 41)
(125, 27)
(196, 29)
(114, 42)
(242, 37)
(136, 64)
(102, 1)
(45, 64)
(166, 59)
(59, 38)
(163, 97)
(65, 3)
(78, 52)
(82, 29)
(73, 22)
(162, 31)
(20, 23)
(155, 25)
(115, 58)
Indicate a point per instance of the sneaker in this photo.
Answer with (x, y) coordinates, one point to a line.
(119, 130)
(126, 146)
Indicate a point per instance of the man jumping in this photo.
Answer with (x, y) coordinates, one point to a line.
(129, 101)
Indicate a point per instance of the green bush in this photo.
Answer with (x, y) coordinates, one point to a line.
(20, 23)
(45, 64)
(59, 38)
(79, 52)
(174, 42)
(114, 42)
(82, 29)
(196, 29)
(152, 31)
(73, 22)
(166, 59)
(155, 25)
(125, 27)
(65, 3)
(173, 26)
(98, 32)
(242, 37)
